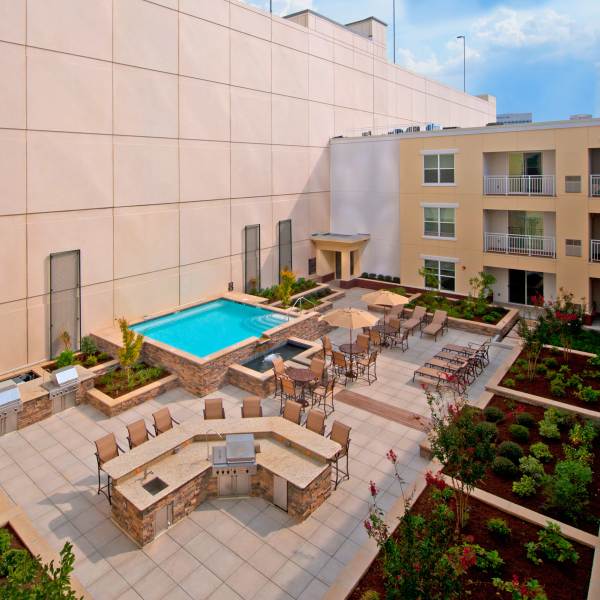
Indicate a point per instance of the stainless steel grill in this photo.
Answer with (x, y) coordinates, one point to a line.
(65, 381)
(234, 463)
(10, 404)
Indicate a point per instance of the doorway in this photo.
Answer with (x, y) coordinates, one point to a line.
(338, 265)
(523, 285)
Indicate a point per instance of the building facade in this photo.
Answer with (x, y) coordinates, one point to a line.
(149, 135)
(519, 201)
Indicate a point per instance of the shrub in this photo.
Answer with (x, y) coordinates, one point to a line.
(12, 560)
(541, 451)
(65, 358)
(594, 361)
(549, 430)
(487, 560)
(487, 430)
(529, 465)
(489, 318)
(567, 489)
(550, 362)
(574, 381)
(90, 361)
(88, 345)
(588, 394)
(541, 369)
(552, 545)
(370, 595)
(558, 387)
(509, 383)
(583, 434)
(528, 590)
(396, 279)
(510, 450)
(520, 377)
(364, 275)
(519, 433)
(5, 540)
(525, 419)
(498, 527)
(493, 414)
(579, 453)
(526, 486)
(504, 467)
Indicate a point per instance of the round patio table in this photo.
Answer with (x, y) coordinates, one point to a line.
(301, 377)
(352, 350)
(385, 331)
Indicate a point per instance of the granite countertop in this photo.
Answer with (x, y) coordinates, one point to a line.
(287, 450)
(39, 387)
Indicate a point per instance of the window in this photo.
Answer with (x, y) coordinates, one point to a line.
(573, 184)
(312, 266)
(438, 169)
(439, 222)
(439, 275)
(573, 247)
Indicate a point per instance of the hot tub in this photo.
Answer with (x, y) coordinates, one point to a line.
(262, 362)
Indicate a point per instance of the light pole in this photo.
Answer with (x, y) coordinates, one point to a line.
(462, 37)
(394, 27)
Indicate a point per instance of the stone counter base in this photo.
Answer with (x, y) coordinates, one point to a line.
(140, 525)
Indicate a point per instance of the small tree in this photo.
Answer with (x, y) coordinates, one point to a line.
(431, 279)
(284, 289)
(465, 450)
(129, 354)
(481, 285)
(532, 346)
(65, 338)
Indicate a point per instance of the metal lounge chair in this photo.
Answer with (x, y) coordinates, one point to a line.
(251, 407)
(213, 409)
(292, 411)
(340, 433)
(416, 319)
(438, 325)
(435, 376)
(106, 449)
(137, 433)
(315, 421)
(457, 370)
(163, 421)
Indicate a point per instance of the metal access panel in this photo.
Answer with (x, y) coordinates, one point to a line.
(280, 495)
(8, 421)
(251, 258)
(285, 245)
(163, 519)
(61, 402)
(65, 300)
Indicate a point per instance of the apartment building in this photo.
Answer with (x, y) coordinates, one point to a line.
(164, 146)
(519, 201)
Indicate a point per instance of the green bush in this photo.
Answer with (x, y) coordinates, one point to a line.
(510, 450)
(589, 394)
(549, 430)
(551, 545)
(579, 453)
(509, 383)
(487, 560)
(498, 527)
(493, 414)
(583, 433)
(541, 369)
(594, 361)
(525, 419)
(529, 589)
(504, 467)
(519, 433)
(88, 345)
(488, 430)
(370, 595)
(550, 362)
(65, 359)
(526, 486)
(529, 465)
(12, 560)
(567, 489)
(5, 540)
(541, 451)
(490, 318)
(558, 387)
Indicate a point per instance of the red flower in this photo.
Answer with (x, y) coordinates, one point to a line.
(368, 525)
(392, 456)
(468, 557)
(373, 489)
(435, 480)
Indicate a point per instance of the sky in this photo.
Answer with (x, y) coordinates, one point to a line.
(538, 56)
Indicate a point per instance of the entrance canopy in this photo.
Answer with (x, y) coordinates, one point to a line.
(339, 253)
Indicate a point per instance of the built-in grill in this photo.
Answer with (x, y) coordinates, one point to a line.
(63, 387)
(10, 405)
(233, 463)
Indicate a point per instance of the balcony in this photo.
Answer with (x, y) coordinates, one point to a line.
(595, 250)
(522, 245)
(523, 185)
(594, 185)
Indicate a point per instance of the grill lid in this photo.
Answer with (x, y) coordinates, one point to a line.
(240, 448)
(66, 376)
(10, 396)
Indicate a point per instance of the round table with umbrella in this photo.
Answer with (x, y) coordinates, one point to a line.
(385, 299)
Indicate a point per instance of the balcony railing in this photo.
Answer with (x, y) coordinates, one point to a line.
(594, 185)
(524, 245)
(525, 185)
(595, 250)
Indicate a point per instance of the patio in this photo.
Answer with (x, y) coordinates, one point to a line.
(241, 548)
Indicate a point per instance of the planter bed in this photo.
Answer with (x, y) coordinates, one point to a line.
(302, 289)
(541, 384)
(502, 486)
(81, 359)
(560, 581)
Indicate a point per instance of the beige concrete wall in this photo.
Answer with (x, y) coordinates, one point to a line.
(148, 134)
(567, 216)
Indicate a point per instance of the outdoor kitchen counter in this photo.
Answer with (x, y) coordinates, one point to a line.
(196, 428)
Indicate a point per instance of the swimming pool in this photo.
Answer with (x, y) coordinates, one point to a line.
(208, 328)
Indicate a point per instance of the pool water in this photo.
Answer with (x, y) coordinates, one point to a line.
(210, 327)
(285, 351)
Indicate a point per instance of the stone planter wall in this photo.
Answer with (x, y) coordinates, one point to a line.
(114, 406)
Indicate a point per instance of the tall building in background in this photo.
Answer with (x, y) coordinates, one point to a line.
(154, 143)
(514, 118)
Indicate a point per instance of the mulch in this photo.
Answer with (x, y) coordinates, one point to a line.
(540, 386)
(561, 582)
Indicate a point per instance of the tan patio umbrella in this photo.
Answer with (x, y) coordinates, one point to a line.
(350, 318)
(386, 299)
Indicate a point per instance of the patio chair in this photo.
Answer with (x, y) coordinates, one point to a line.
(399, 340)
(322, 396)
(416, 319)
(438, 325)
(474, 367)
(288, 393)
(315, 421)
(457, 370)
(317, 366)
(137, 433)
(340, 433)
(395, 324)
(327, 348)
(292, 411)
(340, 366)
(367, 368)
(251, 407)
(106, 449)
(375, 339)
(363, 343)
(163, 421)
(481, 351)
(279, 371)
(213, 409)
